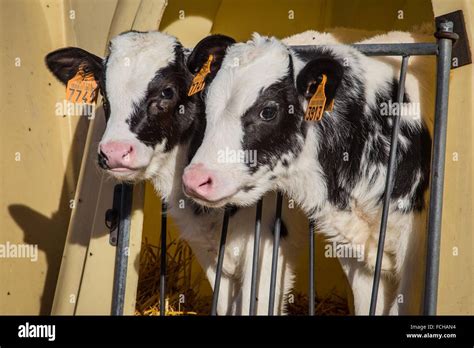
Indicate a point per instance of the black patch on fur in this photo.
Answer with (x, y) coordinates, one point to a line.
(413, 159)
(310, 77)
(349, 136)
(176, 115)
(279, 136)
(213, 44)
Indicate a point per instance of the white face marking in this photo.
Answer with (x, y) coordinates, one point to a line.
(247, 69)
(133, 62)
(241, 78)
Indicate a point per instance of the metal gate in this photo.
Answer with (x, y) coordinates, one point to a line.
(442, 49)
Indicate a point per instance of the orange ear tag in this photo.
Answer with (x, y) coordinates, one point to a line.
(82, 88)
(199, 80)
(317, 103)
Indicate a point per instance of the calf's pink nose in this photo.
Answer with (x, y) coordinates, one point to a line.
(198, 181)
(118, 154)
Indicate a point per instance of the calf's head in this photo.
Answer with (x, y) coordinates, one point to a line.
(144, 83)
(255, 121)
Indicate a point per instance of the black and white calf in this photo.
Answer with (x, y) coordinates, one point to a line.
(335, 168)
(153, 130)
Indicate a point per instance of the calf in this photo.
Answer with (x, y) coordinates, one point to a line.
(153, 130)
(335, 168)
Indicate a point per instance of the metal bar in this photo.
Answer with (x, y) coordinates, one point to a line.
(276, 245)
(220, 262)
(311, 268)
(121, 253)
(437, 170)
(256, 254)
(389, 183)
(164, 213)
(404, 49)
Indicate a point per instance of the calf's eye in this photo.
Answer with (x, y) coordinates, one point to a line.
(268, 113)
(167, 93)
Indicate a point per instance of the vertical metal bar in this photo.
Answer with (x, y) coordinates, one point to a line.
(164, 213)
(220, 262)
(437, 169)
(311, 268)
(121, 253)
(389, 183)
(276, 246)
(256, 254)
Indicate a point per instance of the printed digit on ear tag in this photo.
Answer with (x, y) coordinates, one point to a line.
(199, 80)
(317, 103)
(82, 88)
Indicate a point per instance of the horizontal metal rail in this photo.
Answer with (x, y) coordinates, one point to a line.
(407, 49)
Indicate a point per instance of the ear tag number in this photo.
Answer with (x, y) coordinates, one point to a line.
(82, 88)
(199, 80)
(317, 103)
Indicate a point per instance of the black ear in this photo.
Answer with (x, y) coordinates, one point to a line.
(213, 44)
(65, 62)
(311, 76)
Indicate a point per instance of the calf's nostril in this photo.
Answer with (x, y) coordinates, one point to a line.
(207, 182)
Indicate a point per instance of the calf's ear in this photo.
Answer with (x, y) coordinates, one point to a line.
(65, 62)
(213, 44)
(311, 76)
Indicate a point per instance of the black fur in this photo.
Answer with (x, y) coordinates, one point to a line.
(65, 62)
(213, 44)
(175, 115)
(279, 135)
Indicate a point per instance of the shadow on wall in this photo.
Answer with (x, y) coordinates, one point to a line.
(50, 233)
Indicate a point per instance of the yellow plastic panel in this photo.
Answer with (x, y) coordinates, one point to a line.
(93, 294)
(37, 191)
(189, 20)
(281, 18)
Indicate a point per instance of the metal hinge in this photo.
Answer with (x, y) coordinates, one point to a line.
(461, 54)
